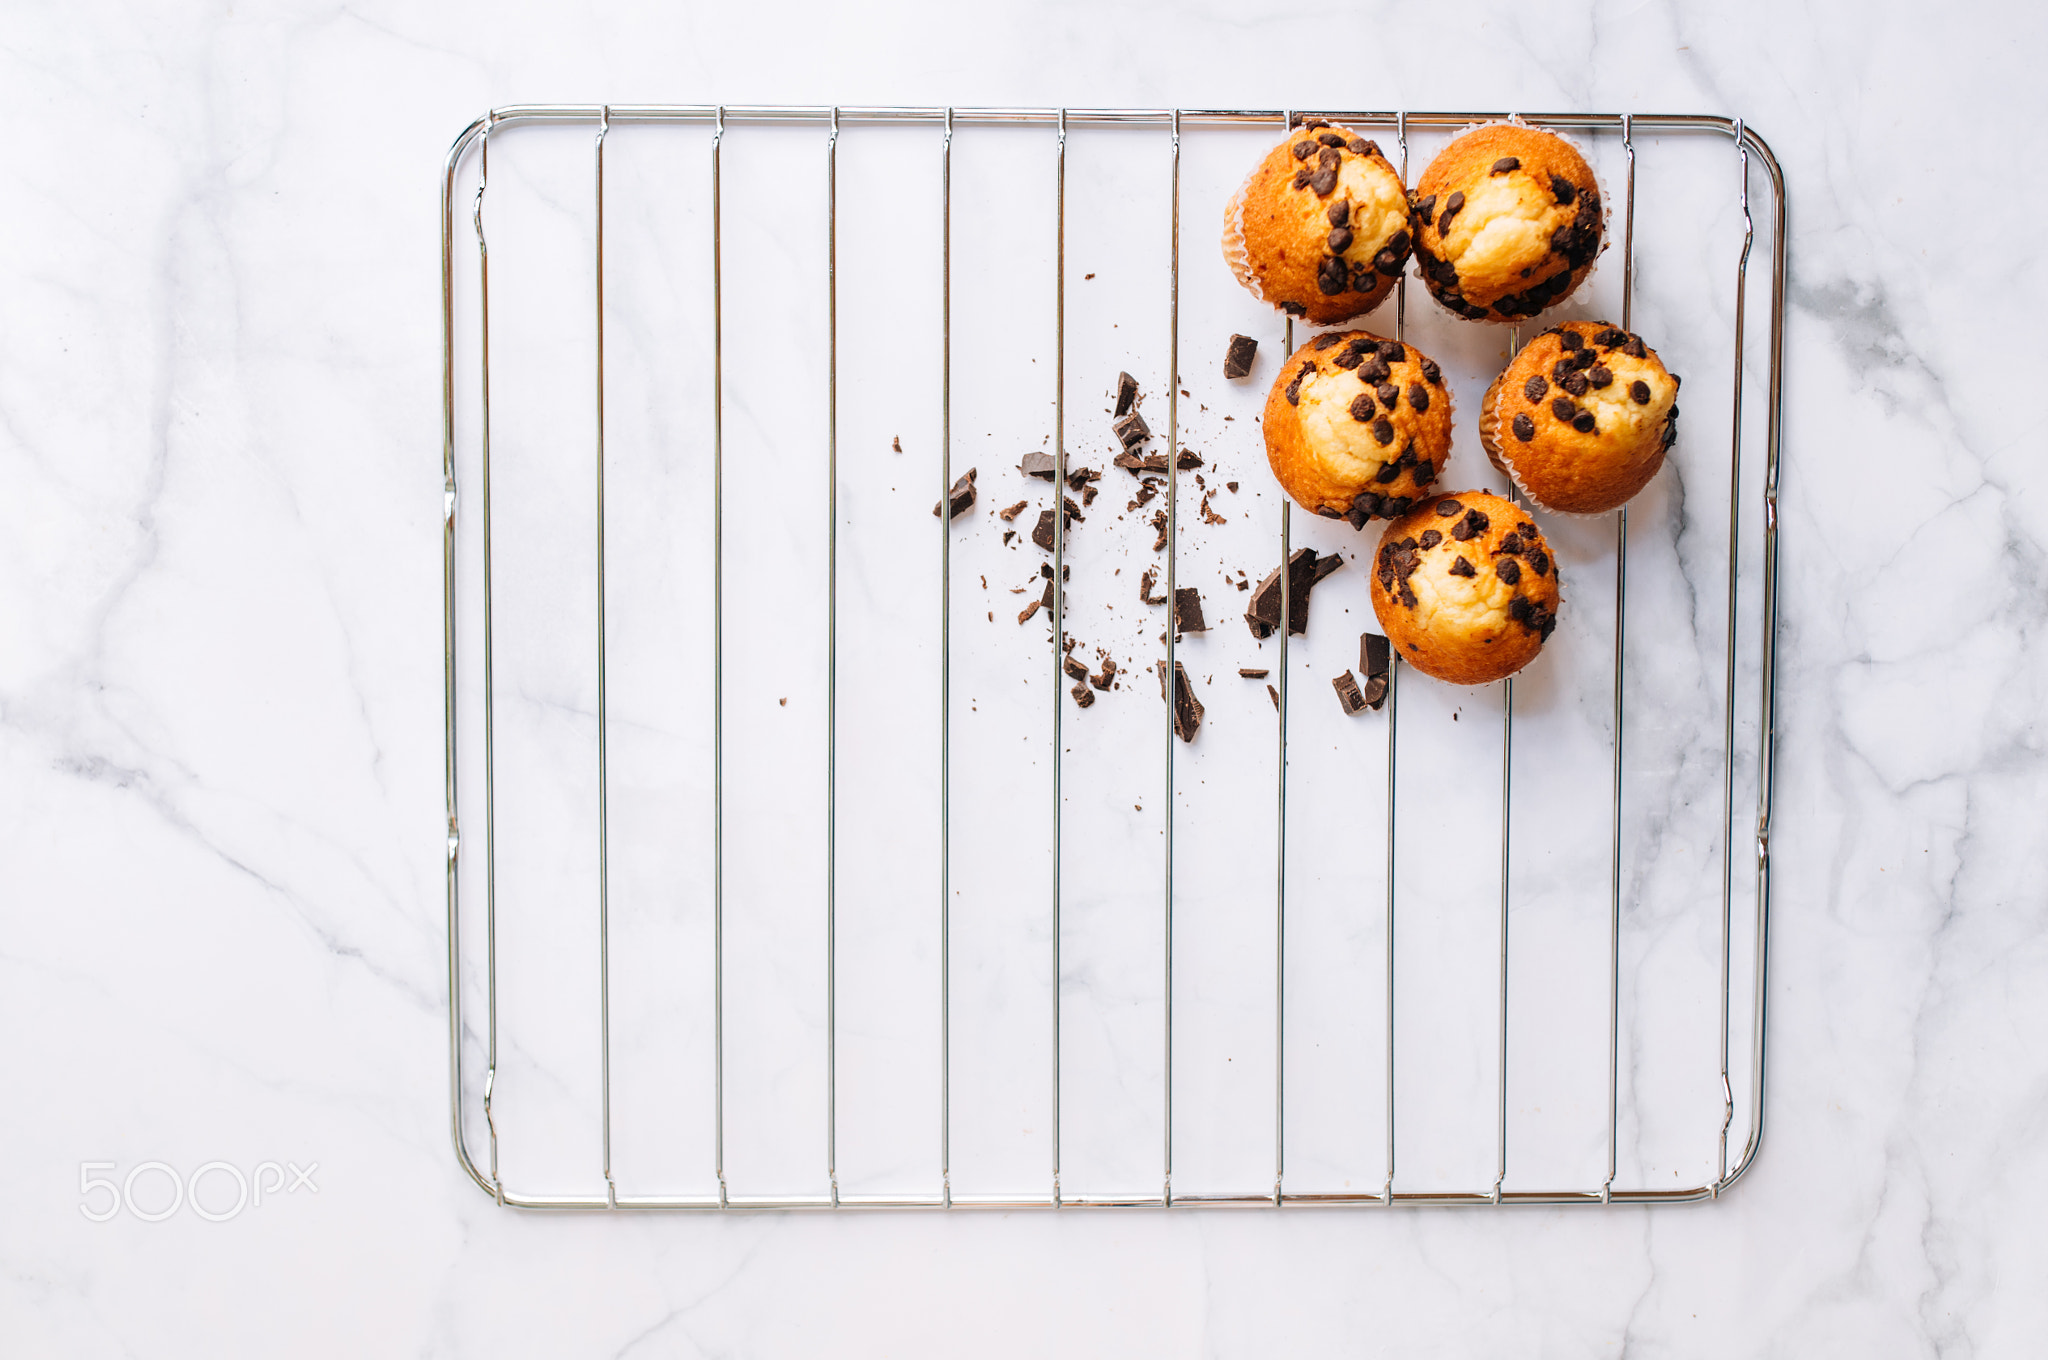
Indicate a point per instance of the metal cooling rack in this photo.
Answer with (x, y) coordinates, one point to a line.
(475, 141)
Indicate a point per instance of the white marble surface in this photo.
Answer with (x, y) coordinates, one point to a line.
(223, 936)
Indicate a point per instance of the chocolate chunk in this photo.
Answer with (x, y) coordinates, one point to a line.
(1611, 338)
(1539, 561)
(1376, 692)
(1079, 478)
(1013, 511)
(1508, 570)
(1505, 164)
(1329, 564)
(1599, 375)
(1367, 501)
(1574, 383)
(1584, 422)
(1131, 430)
(1374, 371)
(1432, 373)
(1387, 262)
(960, 497)
(1187, 709)
(1339, 240)
(1448, 507)
(1462, 568)
(1303, 571)
(1356, 515)
(1187, 611)
(1074, 669)
(1374, 656)
(1418, 397)
(1029, 610)
(1569, 340)
(1108, 675)
(1430, 538)
(1361, 407)
(1563, 409)
(1471, 526)
(1425, 207)
(1560, 188)
(1640, 390)
(1126, 392)
(1536, 388)
(1525, 428)
(1237, 360)
(1325, 341)
(1041, 534)
(1347, 694)
(1511, 544)
(1519, 609)
(1330, 138)
(1303, 150)
(1294, 308)
(1333, 276)
(1039, 465)
(1294, 387)
(1339, 212)
(1452, 207)
(1425, 471)
(1383, 430)
(1346, 358)
(1083, 696)
(1635, 349)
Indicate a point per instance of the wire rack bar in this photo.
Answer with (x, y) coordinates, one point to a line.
(1748, 147)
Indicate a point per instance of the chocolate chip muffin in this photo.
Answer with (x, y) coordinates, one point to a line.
(1581, 418)
(1506, 222)
(1357, 426)
(1320, 228)
(1466, 588)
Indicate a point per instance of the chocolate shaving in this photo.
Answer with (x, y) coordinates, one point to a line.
(1274, 695)
(1011, 514)
(1252, 672)
(1029, 610)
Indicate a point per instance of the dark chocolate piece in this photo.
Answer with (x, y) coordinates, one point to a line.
(1511, 544)
(1376, 692)
(1561, 189)
(1536, 388)
(1574, 383)
(1432, 372)
(1187, 709)
(1038, 465)
(1469, 527)
(1187, 611)
(1303, 571)
(1159, 524)
(1426, 207)
(1563, 409)
(1640, 390)
(1237, 360)
(1329, 512)
(1011, 514)
(1029, 610)
(1126, 393)
(1539, 562)
(1333, 276)
(1274, 695)
(1452, 207)
(1145, 584)
(1508, 570)
(1429, 539)
(1253, 672)
(1083, 696)
(1373, 654)
(1525, 428)
(959, 498)
(1131, 429)
(1462, 568)
(1294, 308)
(1599, 375)
(1104, 680)
(1339, 240)
(1584, 423)
(1347, 694)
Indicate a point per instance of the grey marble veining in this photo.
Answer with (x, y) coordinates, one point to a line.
(222, 937)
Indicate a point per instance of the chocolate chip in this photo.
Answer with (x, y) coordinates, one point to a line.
(1346, 358)
(1339, 212)
(1302, 177)
(1471, 526)
(1525, 428)
(1374, 371)
(1448, 507)
(1426, 207)
(1539, 562)
(1339, 240)
(1599, 375)
(1389, 395)
(1520, 609)
(1348, 696)
(1431, 372)
(1303, 150)
(1418, 397)
(1405, 595)
(1574, 383)
(1294, 387)
(1569, 339)
(1584, 422)
(1430, 538)
(1640, 390)
(1505, 164)
(1508, 570)
(1383, 430)
(1452, 206)
(1583, 359)
(1237, 360)
(1462, 568)
(1560, 187)
(1611, 338)
(1511, 544)
(1295, 308)
(1313, 123)
(1325, 178)
(1396, 506)
(1361, 407)
(1563, 409)
(1329, 512)
(1333, 276)
(1425, 472)
(1362, 280)
(1634, 348)
(1187, 709)
(1536, 388)
(1358, 146)
(1126, 393)
(1330, 138)
(1388, 472)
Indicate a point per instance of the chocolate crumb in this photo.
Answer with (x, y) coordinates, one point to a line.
(1029, 610)
(1126, 393)
(897, 443)
(1014, 511)
(1187, 709)
(1145, 584)
(1237, 360)
(1348, 696)
(1083, 696)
